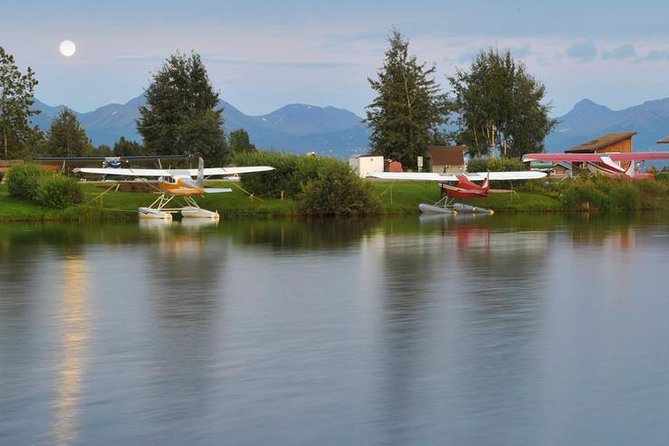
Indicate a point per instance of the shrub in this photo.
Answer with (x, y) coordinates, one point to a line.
(477, 165)
(292, 172)
(624, 196)
(495, 165)
(603, 194)
(337, 191)
(582, 194)
(651, 192)
(22, 180)
(58, 191)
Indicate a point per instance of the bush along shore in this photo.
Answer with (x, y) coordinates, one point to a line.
(306, 186)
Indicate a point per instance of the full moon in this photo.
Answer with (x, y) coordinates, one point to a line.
(67, 48)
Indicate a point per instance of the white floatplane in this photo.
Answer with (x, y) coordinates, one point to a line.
(178, 183)
(464, 188)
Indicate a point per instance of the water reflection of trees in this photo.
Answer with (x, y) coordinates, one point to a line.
(301, 234)
(491, 282)
(184, 282)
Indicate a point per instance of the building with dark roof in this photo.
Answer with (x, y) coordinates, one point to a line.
(446, 159)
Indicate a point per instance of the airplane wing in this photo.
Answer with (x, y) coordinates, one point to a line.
(472, 176)
(127, 172)
(210, 171)
(224, 171)
(506, 176)
(595, 157)
(414, 176)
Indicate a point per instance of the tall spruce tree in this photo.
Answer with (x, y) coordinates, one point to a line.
(125, 147)
(409, 109)
(499, 107)
(181, 114)
(240, 142)
(66, 137)
(16, 100)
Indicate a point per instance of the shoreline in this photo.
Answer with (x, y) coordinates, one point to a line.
(396, 198)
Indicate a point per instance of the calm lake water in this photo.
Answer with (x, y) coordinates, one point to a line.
(534, 330)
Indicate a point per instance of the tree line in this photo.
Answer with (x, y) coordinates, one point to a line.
(181, 116)
(495, 108)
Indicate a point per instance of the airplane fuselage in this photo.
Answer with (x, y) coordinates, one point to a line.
(179, 186)
(465, 188)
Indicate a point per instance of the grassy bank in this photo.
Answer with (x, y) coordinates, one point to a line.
(102, 203)
(396, 198)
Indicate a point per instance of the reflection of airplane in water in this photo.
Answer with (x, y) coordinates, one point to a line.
(464, 188)
(178, 183)
(191, 224)
(463, 228)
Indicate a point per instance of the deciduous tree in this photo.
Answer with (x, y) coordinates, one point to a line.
(407, 114)
(499, 107)
(181, 114)
(16, 100)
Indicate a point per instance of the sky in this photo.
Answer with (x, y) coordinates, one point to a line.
(261, 55)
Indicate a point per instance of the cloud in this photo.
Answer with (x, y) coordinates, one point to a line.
(621, 52)
(523, 51)
(657, 55)
(282, 64)
(584, 50)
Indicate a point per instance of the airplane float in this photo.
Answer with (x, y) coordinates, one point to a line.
(612, 164)
(464, 188)
(178, 183)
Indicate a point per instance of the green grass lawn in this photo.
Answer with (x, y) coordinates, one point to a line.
(396, 198)
(102, 204)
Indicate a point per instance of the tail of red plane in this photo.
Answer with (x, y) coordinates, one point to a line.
(485, 187)
(466, 183)
(465, 188)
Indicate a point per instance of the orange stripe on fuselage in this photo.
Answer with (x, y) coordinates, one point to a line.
(180, 188)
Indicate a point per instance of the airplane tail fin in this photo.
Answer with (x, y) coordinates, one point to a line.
(200, 173)
(486, 184)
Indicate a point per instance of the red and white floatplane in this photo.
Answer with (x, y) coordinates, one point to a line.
(612, 164)
(464, 187)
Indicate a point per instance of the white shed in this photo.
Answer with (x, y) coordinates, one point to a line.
(364, 165)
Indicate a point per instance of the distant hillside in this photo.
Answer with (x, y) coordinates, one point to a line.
(588, 120)
(299, 128)
(294, 128)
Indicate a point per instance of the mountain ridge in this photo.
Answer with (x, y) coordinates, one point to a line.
(587, 120)
(291, 128)
(302, 128)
